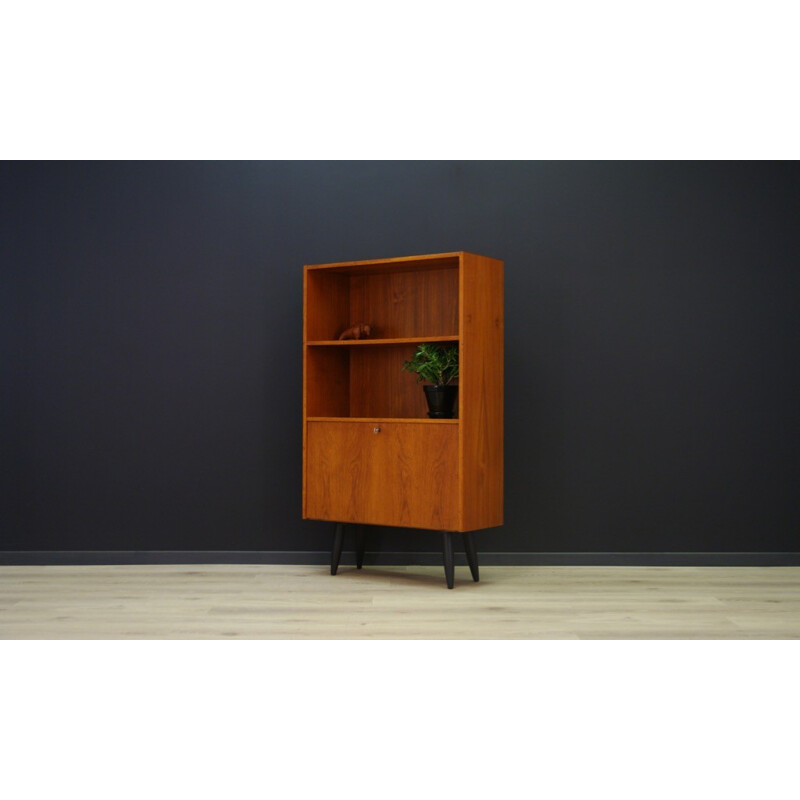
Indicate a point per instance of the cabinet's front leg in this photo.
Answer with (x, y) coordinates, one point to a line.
(449, 570)
(472, 554)
(336, 553)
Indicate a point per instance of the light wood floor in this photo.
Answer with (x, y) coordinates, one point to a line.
(306, 602)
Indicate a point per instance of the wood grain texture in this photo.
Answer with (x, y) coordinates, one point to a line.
(446, 296)
(390, 265)
(400, 420)
(403, 475)
(327, 305)
(481, 392)
(380, 387)
(406, 304)
(327, 383)
(380, 602)
(305, 387)
(380, 342)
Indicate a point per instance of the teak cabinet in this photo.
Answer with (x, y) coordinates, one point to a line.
(371, 455)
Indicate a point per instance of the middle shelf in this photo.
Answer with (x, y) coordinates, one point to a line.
(365, 382)
(415, 420)
(394, 341)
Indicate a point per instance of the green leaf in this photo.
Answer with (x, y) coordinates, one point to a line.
(435, 363)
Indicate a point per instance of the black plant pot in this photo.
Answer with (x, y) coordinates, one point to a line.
(440, 401)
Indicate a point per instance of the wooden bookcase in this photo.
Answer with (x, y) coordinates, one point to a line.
(371, 455)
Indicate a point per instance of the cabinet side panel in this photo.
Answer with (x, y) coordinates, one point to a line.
(481, 392)
(325, 377)
(327, 305)
(305, 385)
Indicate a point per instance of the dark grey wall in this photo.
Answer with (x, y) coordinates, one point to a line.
(150, 319)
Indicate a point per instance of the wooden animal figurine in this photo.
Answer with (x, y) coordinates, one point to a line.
(356, 332)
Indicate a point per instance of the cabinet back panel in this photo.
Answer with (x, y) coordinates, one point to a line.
(379, 387)
(327, 382)
(399, 304)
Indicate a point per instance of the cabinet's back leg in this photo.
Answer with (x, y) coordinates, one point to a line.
(447, 541)
(472, 555)
(336, 553)
(360, 547)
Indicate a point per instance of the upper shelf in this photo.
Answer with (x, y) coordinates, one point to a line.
(390, 265)
(399, 340)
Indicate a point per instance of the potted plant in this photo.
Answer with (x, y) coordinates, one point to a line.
(437, 364)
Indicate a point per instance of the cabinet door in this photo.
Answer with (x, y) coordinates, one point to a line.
(393, 473)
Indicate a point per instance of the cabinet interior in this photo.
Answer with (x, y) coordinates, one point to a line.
(397, 304)
(366, 379)
(363, 381)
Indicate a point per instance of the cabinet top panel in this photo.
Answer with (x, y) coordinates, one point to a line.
(432, 261)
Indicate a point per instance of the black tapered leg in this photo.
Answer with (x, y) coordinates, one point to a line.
(472, 555)
(336, 553)
(360, 547)
(449, 571)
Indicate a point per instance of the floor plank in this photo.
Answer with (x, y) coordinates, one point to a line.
(305, 602)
